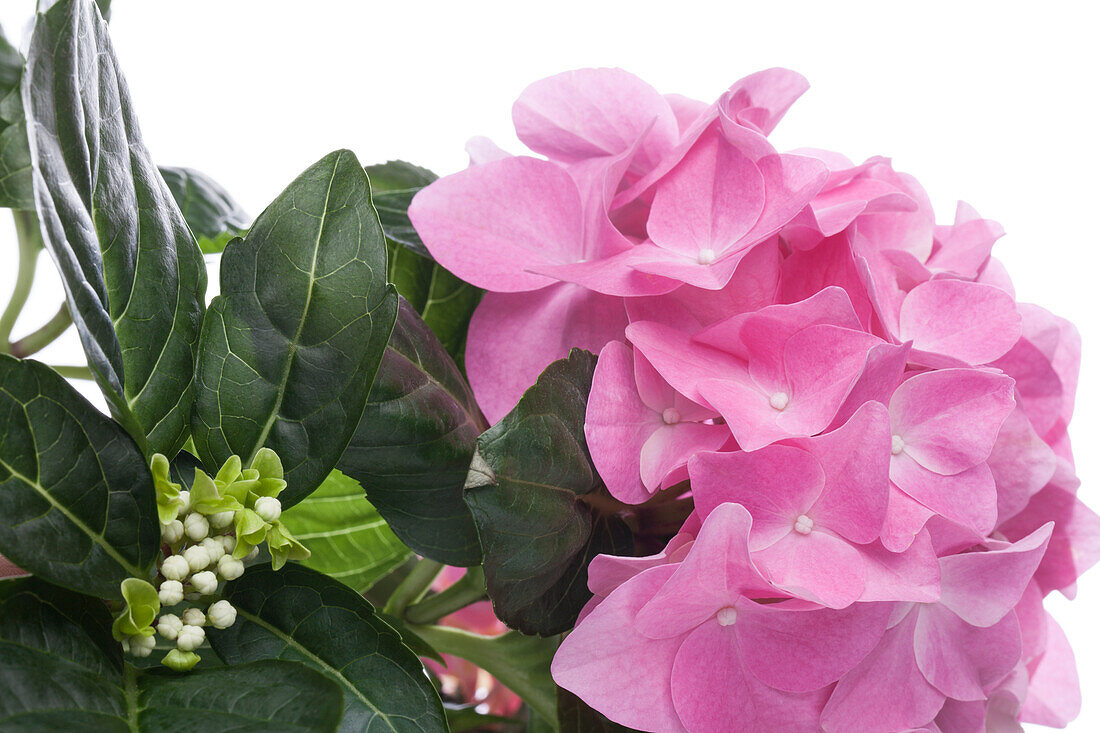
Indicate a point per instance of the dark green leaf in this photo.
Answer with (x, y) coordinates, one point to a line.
(447, 311)
(398, 175)
(414, 444)
(291, 346)
(57, 621)
(213, 215)
(15, 155)
(576, 717)
(76, 497)
(45, 692)
(303, 615)
(526, 490)
(133, 275)
(466, 718)
(521, 663)
(347, 536)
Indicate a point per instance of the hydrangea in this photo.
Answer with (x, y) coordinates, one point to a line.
(872, 429)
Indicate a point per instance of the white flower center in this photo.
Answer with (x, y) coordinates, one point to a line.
(706, 256)
(671, 416)
(897, 445)
(727, 616)
(803, 525)
(779, 400)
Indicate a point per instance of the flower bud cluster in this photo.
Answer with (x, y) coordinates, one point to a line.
(207, 533)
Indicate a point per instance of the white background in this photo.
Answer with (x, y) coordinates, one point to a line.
(995, 103)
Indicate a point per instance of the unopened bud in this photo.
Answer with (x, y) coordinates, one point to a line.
(229, 568)
(169, 626)
(172, 532)
(221, 615)
(214, 548)
(197, 558)
(193, 617)
(175, 568)
(269, 508)
(170, 592)
(205, 582)
(196, 527)
(190, 638)
(221, 520)
(185, 502)
(142, 646)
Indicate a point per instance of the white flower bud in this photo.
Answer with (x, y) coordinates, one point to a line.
(196, 526)
(269, 508)
(229, 542)
(172, 532)
(205, 582)
(221, 615)
(175, 568)
(194, 617)
(190, 638)
(252, 553)
(142, 646)
(214, 548)
(170, 592)
(229, 568)
(185, 502)
(221, 520)
(197, 558)
(169, 626)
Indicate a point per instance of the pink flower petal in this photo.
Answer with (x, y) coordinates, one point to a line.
(598, 660)
(905, 518)
(1021, 464)
(961, 660)
(761, 100)
(911, 575)
(671, 446)
(490, 223)
(514, 336)
(1054, 694)
(682, 362)
(968, 321)
(968, 498)
(817, 567)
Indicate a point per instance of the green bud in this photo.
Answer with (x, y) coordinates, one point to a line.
(180, 660)
(140, 609)
(167, 492)
(284, 547)
(206, 498)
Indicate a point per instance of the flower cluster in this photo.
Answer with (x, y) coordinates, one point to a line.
(208, 532)
(872, 429)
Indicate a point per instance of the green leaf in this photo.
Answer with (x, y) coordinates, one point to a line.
(133, 275)
(77, 505)
(447, 311)
(526, 489)
(213, 215)
(291, 346)
(398, 175)
(347, 536)
(466, 718)
(521, 663)
(576, 717)
(413, 446)
(303, 615)
(15, 154)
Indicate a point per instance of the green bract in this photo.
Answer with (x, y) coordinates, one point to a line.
(141, 606)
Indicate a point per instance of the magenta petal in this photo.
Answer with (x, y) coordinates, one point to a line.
(816, 567)
(961, 660)
(1054, 693)
(910, 575)
(514, 336)
(716, 573)
(804, 650)
(957, 716)
(715, 693)
(618, 424)
(598, 660)
(856, 461)
(949, 418)
(886, 692)
(969, 321)
(968, 498)
(981, 587)
(590, 113)
(775, 484)
(490, 223)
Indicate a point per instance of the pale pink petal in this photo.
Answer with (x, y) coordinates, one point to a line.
(886, 692)
(682, 362)
(968, 321)
(968, 498)
(911, 231)
(598, 660)
(1021, 463)
(776, 484)
(686, 109)
(817, 567)
(483, 150)
(716, 573)
(671, 446)
(949, 419)
(514, 336)
(490, 223)
(691, 270)
(713, 690)
(790, 182)
(981, 587)
(614, 275)
(589, 113)
(911, 575)
(760, 100)
(964, 248)
(1054, 693)
(618, 424)
(806, 649)
(905, 517)
(961, 660)
(608, 572)
(746, 409)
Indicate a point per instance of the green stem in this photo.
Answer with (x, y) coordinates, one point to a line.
(413, 587)
(470, 588)
(44, 336)
(30, 242)
(73, 372)
(521, 663)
